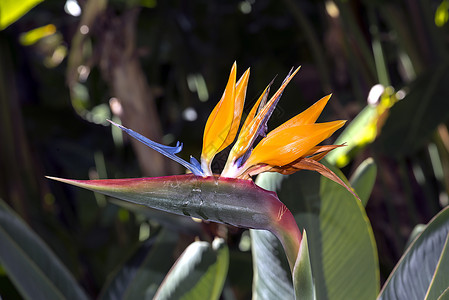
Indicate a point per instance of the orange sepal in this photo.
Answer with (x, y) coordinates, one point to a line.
(219, 122)
(243, 142)
(240, 93)
(309, 116)
(281, 147)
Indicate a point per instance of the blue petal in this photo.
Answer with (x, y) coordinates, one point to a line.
(194, 166)
(195, 162)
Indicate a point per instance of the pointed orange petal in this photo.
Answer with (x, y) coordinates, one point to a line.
(281, 147)
(318, 153)
(219, 122)
(240, 93)
(309, 116)
(233, 155)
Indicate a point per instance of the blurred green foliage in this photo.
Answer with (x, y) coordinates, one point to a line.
(172, 58)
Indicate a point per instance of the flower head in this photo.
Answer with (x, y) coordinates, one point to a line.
(288, 148)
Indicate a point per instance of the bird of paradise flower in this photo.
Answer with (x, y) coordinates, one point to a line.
(232, 197)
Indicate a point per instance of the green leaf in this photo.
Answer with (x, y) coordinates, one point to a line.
(302, 273)
(415, 271)
(356, 135)
(199, 273)
(12, 10)
(427, 103)
(444, 295)
(142, 275)
(440, 280)
(33, 268)
(342, 248)
(363, 179)
(272, 277)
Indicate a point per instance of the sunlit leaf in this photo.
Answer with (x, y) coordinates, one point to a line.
(33, 36)
(12, 10)
(356, 135)
(442, 13)
(413, 120)
(30, 264)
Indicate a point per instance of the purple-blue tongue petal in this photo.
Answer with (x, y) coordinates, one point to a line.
(168, 151)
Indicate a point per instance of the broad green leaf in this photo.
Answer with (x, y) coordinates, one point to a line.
(444, 295)
(199, 273)
(31, 265)
(272, 277)
(12, 10)
(342, 248)
(440, 280)
(142, 275)
(413, 119)
(363, 179)
(415, 271)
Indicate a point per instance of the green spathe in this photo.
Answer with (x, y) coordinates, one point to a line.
(230, 201)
